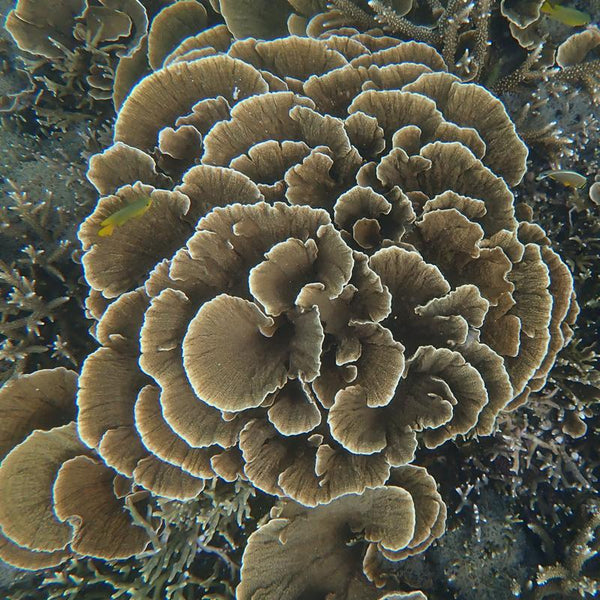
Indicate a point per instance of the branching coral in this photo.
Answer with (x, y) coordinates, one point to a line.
(571, 577)
(579, 61)
(82, 40)
(17, 86)
(530, 20)
(564, 58)
(39, 288)
(571, 220)
(196, 550)
(23, 311)
(458, 29)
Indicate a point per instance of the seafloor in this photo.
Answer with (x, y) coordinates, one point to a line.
(523, 503)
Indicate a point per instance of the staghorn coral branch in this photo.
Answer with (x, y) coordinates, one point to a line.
(387, 17)
(482, 41)
(449, 24)
(525, 73)
(435, 6)
(568, 578)
(357, 16)
(586, 73)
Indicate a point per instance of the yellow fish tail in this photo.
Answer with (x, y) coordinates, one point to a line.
(107, 229)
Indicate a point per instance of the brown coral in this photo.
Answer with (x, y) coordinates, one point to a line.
(458, 29)
(384, 295)
(82, 38)
(41, 291)
(39, 401)
(347, 535)
(525, 18)
(113, 398)
(579, 60)
(528, 21)
(56, 498)
(548, 46)
(521, 12)
(176, 27)
(264, 19)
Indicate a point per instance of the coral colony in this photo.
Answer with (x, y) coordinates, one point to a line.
(329, 311)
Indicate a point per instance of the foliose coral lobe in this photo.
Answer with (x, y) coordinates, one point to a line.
(329, 275)
(360, 283)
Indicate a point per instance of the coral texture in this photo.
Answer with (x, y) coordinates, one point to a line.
(56, 497)
(41, 292)
(572, 577)
(276, 565)
(332, 269)
(459, 29)
(185, 21)
(305, 266)
(579, 60)
(81, 39)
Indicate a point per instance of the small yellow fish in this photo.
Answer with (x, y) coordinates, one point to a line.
(565, 14)
(567, 178)
(135, 209)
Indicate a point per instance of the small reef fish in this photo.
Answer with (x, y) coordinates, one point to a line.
(134, 209)
(565, 14)
(567, 178)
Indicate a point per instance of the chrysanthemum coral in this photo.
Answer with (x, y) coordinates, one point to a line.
(332, 268)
